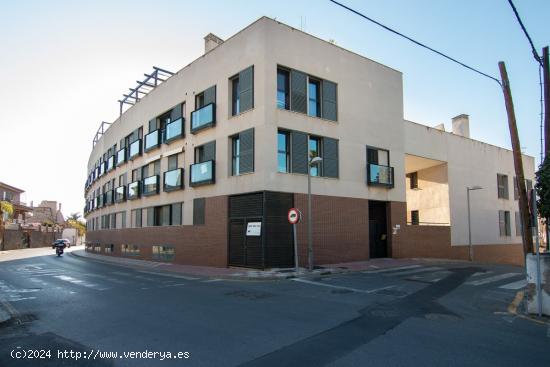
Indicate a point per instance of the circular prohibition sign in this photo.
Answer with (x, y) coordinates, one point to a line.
(294, 216)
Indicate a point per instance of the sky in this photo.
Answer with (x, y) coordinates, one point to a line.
(64, 65)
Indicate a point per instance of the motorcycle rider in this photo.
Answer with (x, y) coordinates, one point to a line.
(59, 244)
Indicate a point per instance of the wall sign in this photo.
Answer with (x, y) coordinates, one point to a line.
(254, 229)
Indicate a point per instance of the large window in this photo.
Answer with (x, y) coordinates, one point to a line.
(165, 215)
(283, 91)
(136, 218)
(129, 250)
(163, 253)
(502, 184)
(205, 110)
(242, 91)
(283, 151)
(242, 152)
(306, 94)
(314, 98)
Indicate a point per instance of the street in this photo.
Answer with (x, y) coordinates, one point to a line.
(426, 314)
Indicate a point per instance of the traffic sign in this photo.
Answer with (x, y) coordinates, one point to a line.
(294, 216)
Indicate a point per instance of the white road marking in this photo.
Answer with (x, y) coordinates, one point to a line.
(341, 287)
(391, 269)
(169, 275)
(414, 271)
(479, 273)
(83, 283)
(439, 274)
(515, 285)
(211, 280)
(492, 279)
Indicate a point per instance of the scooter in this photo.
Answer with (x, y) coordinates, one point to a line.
(59, 250)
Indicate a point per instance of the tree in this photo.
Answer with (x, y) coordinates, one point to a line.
(542, 188)
(5, 207)
(80, 226)
(74, 216)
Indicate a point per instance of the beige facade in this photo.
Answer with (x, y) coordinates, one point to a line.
(369, 113)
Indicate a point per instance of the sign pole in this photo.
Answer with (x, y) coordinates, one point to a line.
(296, 263)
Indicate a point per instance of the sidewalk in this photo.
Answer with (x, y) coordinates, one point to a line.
(248, 274)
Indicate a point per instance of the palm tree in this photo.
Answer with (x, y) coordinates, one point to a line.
(74, 216)
(5, 207)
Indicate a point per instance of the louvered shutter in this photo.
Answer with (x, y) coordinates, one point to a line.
(330, 157)
(298, 91)
(246, 89)
(198, 211)
(176, 112)
(299, 152)
(209, 151)
(246, 161)
(329, 100)
(210, 95)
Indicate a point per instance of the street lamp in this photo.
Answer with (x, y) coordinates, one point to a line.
(470, 249)
(312, 162)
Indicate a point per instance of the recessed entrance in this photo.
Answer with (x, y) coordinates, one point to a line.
(378, 229)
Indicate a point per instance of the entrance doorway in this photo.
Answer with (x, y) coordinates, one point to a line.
(378, 229)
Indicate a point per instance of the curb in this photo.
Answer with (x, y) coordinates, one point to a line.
(280, 276)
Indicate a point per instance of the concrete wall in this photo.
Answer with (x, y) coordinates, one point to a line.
(471, 163)
(431, 199)
(17, 239)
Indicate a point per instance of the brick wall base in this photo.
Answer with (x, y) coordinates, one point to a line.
(194, 245)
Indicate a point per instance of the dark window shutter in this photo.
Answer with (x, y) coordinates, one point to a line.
(152, 124)
(198, 211)
(330, 157)
(176, 112)
(246, 89)
(209, 151)
(299, 152)
(246, 161)
(372, 156)
(298, 91)
(210, 95)
(329, 100)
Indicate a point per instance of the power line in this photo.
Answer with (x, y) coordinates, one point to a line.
(416, 42)
(533, 49)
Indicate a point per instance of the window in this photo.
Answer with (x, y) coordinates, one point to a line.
(164, 215)
(163, 253)
(504, 222)
(502, 183)
(283, 92)
(172, 162)
(242, 152)
(413, 177)
(109, 249)
(235, 96)
(519, 226)
(136, 218)
(206, 152)
(198, 211)
(516, 188)
(235, 155)
(199, 100)
(415, 217)
(129, 250)
(315, 151)
(379, 171)
(283, 151)
(314, 98)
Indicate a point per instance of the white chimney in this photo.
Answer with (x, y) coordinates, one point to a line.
(461, 125)
(211, 41)
(440, 127)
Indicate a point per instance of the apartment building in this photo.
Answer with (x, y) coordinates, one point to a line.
(227, 141)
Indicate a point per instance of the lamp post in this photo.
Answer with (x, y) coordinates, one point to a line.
(470, 249)
(313, 161)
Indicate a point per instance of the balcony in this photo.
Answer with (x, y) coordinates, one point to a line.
(110, 163)
(120, 194)
(379, 175)
(203, 118)
(121, 157)
(135, 149)
(109, 197)
(202, 173)
(133, 190)
(152, 140)
(173, 180)
(173, 130)
(151, 185)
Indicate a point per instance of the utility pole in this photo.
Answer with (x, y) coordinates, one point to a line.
(546, 84)
(518, 162)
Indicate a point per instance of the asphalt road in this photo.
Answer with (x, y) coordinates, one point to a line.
(430, 314)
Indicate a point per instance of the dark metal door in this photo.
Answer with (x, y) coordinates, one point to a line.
(244, 250)
(378, 239)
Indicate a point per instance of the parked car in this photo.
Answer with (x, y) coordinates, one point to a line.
(62, 240)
